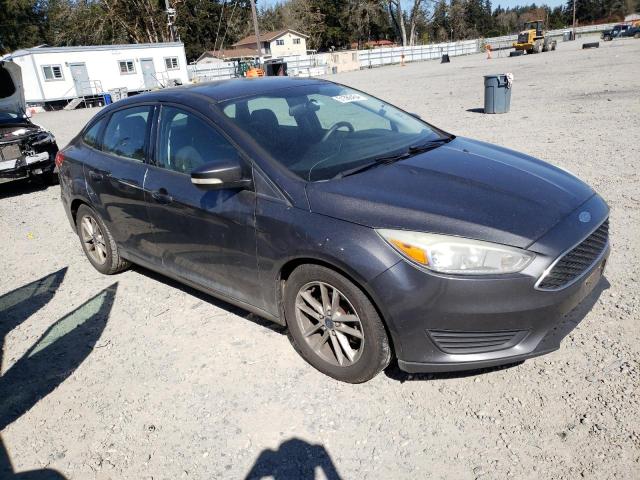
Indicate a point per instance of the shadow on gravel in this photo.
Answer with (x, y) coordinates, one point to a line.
(51, 360)
(6, 471)
(294, 459)
(476, 110)
(21, 187)
(568, 323)
(241, 312)
(19, 304)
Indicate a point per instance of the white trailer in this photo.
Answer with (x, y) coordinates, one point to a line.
(59, 75)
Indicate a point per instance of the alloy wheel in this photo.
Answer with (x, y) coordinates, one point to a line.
(93, 239)
(329, 323)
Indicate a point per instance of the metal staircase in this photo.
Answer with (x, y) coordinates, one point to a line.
(92, 90)
(73, 103)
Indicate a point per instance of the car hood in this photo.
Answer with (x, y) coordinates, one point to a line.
(11, 88)
(466, 188)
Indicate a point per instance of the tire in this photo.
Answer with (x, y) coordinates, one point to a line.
(362, 358)
(104, 255)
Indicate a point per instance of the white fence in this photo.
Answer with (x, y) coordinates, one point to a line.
(387, 56)
(320, 64)
(211, 71)
(297, 66)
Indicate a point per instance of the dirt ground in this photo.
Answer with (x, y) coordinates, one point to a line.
(134, 376)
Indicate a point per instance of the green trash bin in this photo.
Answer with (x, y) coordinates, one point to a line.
(497, 93)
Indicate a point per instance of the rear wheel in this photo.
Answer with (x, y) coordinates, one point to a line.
(334, 326)
(98, 243)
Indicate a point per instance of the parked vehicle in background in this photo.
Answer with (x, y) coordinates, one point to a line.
(631, 32)
(620, 31)
(363, 229)
(534, 39)
(26, 150)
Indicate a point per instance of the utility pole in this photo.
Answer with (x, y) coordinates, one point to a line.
(171, 20)
(254, 14)
(574, 19)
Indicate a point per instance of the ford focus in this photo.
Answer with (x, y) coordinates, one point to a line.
(369, 233)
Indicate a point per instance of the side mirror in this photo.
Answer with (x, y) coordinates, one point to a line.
(219, 175)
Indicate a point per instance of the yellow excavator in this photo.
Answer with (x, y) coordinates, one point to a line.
(534, 38)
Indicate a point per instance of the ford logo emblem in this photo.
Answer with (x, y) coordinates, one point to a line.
(584, 217)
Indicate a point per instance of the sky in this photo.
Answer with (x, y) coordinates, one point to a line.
(494, 3)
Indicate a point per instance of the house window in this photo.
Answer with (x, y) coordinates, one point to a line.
(126, 67)
(52, 72)
(279, 42)
(296, 41)
(171, 63)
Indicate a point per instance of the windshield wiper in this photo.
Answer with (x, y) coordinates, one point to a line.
(389, 159)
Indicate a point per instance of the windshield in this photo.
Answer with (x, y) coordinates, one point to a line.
(319, 131)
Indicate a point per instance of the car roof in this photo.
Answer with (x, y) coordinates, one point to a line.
(221, 90)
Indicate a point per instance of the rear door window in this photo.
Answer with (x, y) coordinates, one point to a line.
(126, 133)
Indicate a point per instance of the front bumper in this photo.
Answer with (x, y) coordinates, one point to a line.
(446, 323)
(36, 164)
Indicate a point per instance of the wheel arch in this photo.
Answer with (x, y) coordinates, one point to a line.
(74, 206)
(290, 265)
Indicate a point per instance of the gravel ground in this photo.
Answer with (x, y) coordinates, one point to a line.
(158, 381)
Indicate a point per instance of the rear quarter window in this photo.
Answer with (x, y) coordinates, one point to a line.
(92, 136)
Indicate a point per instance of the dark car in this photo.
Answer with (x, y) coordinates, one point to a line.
(620, 31)
(26, 150)
(631, 32)
(366, 231)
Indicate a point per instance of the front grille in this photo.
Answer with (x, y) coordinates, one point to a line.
(577, 261)
(451, 341)
(523, 38)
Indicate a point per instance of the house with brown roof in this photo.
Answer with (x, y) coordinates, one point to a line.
(277, 44)
(227, 55)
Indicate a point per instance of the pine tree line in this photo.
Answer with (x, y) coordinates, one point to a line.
(330, 24)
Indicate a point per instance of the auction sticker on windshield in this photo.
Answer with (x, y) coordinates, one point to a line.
(352, 97)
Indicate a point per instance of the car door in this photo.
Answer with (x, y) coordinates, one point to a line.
(115, 175)
(204, 236)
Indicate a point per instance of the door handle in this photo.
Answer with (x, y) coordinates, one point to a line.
(96, 176)
(162, 196)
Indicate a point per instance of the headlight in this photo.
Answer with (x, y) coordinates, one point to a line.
(456, 255)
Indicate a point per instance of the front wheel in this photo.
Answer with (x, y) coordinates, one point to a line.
(334, 326)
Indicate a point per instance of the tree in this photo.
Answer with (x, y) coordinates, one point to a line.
(365, 20)
(205, 25)
(440, 22)
(22, 24)
(457, 21)
(400, 18)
